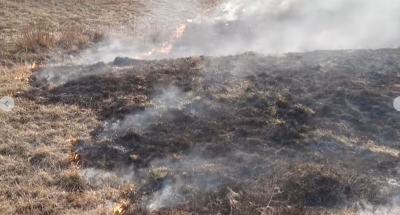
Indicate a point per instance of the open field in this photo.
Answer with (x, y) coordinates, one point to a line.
(299, 133)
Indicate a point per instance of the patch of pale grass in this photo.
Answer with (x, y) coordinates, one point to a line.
(239, 90)
(34, 40)
(382, 149)
(348, 141)
(355, 141)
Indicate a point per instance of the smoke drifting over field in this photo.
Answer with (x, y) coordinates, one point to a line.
(235, 26)
(171, 97)
(228, 128)
(264, 26)
(299, 25)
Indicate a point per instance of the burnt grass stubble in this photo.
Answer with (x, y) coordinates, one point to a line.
(262, 120)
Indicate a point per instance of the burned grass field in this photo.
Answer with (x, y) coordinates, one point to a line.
(301, 133)
(297, 133)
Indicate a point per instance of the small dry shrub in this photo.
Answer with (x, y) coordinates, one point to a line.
(72, 182)
(158, 173)
(78, 37)
(281, 101)
(42, 37)
(73, 36)
(97, 35)
(35, 40)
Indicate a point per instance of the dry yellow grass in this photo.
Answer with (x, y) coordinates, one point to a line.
(28, 28)
(36, 177)
(34, 149)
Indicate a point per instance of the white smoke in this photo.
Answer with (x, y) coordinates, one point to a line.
(369, 209)
(195, 167)
(163, 198)
(237, 26)
(171, 97)
(272, 26)
(98, 177)
(278, 26)
(146, 32)
(113, 46)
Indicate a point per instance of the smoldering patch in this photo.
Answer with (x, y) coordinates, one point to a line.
(163, 105)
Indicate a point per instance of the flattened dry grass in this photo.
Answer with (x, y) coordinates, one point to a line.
(34, 148)
(66, 25)
(36, 176)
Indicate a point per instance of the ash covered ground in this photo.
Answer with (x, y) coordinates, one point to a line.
(242, 134)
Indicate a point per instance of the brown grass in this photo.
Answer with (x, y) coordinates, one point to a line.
(33, 149)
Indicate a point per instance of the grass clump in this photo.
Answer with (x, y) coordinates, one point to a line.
(72, 182)
(159, 173)
(281, 101)
(35, 39)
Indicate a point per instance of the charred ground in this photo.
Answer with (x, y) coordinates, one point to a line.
(299, 133)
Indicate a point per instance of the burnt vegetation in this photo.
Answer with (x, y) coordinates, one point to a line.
(298, 134)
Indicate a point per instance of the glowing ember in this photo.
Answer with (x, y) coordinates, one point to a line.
(167, 46)
(179, 31)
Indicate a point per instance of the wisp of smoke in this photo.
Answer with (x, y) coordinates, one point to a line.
(97, 177)
(368, 209)
(171, 193)
(162, 198)
(169, 98)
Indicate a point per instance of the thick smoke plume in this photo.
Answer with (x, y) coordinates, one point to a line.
(237, 26)
(146, 32)
(265, 26)
(299, 25)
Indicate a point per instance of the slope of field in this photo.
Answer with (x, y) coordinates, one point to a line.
(242, 134)
(299, 133)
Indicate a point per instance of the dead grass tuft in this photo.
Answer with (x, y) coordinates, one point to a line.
(281, 101)
(43, 206)
(72, 181)
(76, 37)
(158, 173)
(35, 40)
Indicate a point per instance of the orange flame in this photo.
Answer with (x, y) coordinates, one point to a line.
(179, 31)
(166, 47)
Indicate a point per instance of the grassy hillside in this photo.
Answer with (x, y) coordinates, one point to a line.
(306, 133)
